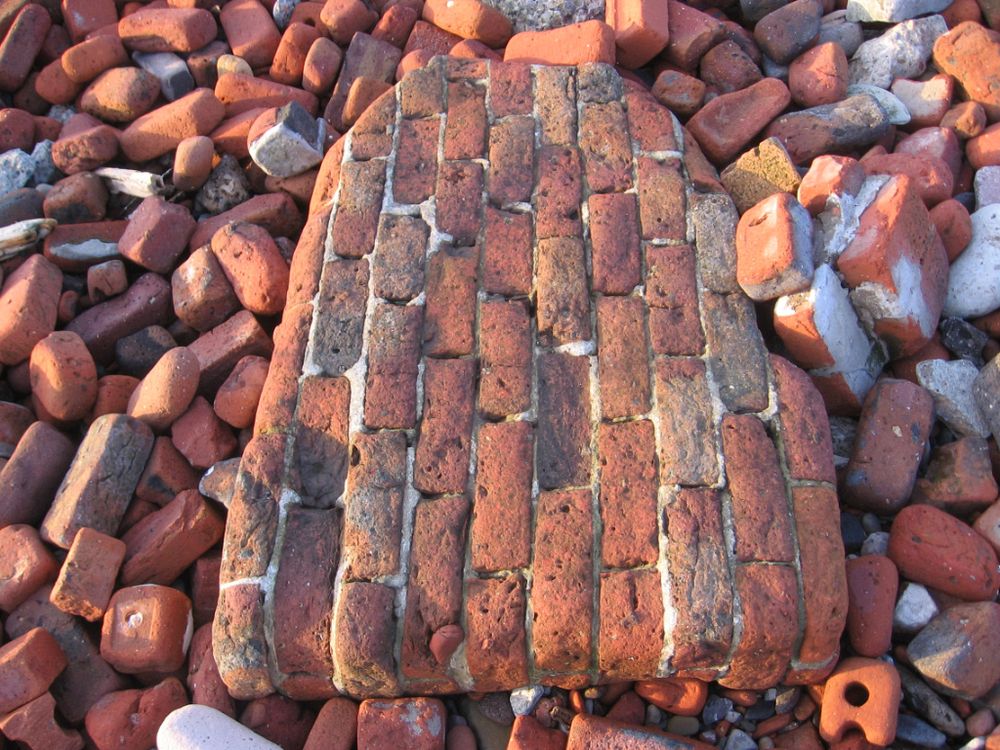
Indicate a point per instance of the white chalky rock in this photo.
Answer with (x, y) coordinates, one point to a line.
(950, 385)
(203, 728)
(901, 52)
(876, 543)
(46, 171)
(16, 170)
(897, 111)
(914, 609)
(534, 15)
(524, 699)
(892, 11)
(292, 145)
(835, 228)
(926, 101)
(974, 278)
(987, 186)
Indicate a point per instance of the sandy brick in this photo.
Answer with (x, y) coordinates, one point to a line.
(511, 155)
(450, 317)
(507, 253)
(688, 441)
(628, 494)
(442, 451)
(558, 193)
(393, 356)
(505, 358)
(622, 357)
(563, 458)
(496, 644)
(605, 148)
(563, 307)
(631, 618)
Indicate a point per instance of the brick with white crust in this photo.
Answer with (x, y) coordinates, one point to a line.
(774, 248)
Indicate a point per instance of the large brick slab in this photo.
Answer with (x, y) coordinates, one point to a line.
(528, 408)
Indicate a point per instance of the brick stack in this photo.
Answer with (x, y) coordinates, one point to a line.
(520, 425)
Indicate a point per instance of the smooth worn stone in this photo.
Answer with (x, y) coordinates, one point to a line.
(951, 386)
(973, 285)
(914, 731)
(901, 52)
(196, 727)
(923, 699)
(853, 123)
(956, 651)
(914, 609)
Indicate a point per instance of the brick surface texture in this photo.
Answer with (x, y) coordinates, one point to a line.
(521, 410)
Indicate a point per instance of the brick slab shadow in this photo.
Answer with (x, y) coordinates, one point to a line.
(520, 425)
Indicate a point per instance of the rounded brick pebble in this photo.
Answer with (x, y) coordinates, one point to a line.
(167, 390)
(63, 376)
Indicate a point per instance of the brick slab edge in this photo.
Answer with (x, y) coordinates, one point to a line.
(732, 580)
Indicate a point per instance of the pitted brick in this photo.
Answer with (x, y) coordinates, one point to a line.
(672, 296)
(631, 611)
(501, 510)
(459, 200)
(497, 642)
(393, 359)
(398, 266)
(505, 358)
(361, 186)
(563, 307)
(563, 439)
(320, 449)
(442, 453)
(340, 316)
(512, 155)
(507, 253)
(555, 105)
(614, 238)
(626, 452)
(606, 150)
(465, 131)
(623, 357)
(558, 193)
(416, 160)
(450, 320)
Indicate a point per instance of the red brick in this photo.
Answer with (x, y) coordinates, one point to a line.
(501, 512)
(769, 603)
(239, 644)
(373, 506)
(129, 719)
(82, 17)
(824, 586)
(21, 44)
(167, 29)
(727, 68)
(396, 24)
(202, 296)
(87, 578)
(320, 450)
(631, 621)
(954, 53)
(275, 212)
(413, 723)
(276, 406)
(157, 234)
(205, 587)
(365, 56)
(528, 733)
(353, 231)
(290, 58)
(558, 193)
(450, 316)
(715, 125)
(805, 428)
(687, 436)
(25, 565)
(33, 473)
(340, 314)
(622, 357)
(649, 124)
(161, 130)
(416, 160)
(35, 723)
(496, 643)
(661, 199)
(63, 377)
(459, 200)
(672, 296)
(240, 93)
(421, 92)
(163, 544)
(465, 131)
(563, 307)
(505, 358)
(429, 37)
(250, 31)
(512, 153)
(959, 478)
(736, 351)
(442, 451)
(201, 437)
(563, 454)
(679, 92)
(365, 633)
(393, 356)
(237, 400)
(590, 41)
(597, 733)
(434, 588)
(153, 641)
(336, 725)
(28, 302)
(510, 89)
(605, 147)
(555, 110)
(700, 583)
(400, 249)
(691, 34)
(641, 30)
(303, 599)
(563, 585)
(628, 494)
(762, 526)
(507, 253)
(219, 349)
(616, 255)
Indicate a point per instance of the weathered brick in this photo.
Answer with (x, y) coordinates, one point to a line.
(496, 642)
(434, 589)
(563, 583)
(505, 358)
(629, 482)
(459, 200)
(701, 589)
(672, 296)
(769, 607)
(804, 425)
(277, 398)
(465, 131)
(558, 193)
(507, 253)
(631, 621)
(563, 306)
(824, 586)
(622, 357)
(398, 265)
(416, 160)
(427, 36)
(361, 184)
(421, 92)
(365, 56)
(253, 510)
(320, 449)
(307, 260)
(688, 441)
(510, 89)
(614, 238)
(219, 349)
(371, 135)
(761, 521)
(373, 508)
(606, 150)
(512, 157)
(393, 356)
(563, 454)
(442, 454)
(555, 104)
(239, 643)
(661, 199)
(714, 217)
(340, 316)
(501, 511)
(303, 597)
(736, 353)
(450, 320)
(650, 125)
(365, 624)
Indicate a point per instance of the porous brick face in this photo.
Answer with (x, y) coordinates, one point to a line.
(531, 408)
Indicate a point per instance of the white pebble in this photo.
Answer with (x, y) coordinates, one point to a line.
(203, 728)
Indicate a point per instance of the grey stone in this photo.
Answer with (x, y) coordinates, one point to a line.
(917, 732)
(524, 699)
(740, 740)
(950, 384)
(842, 431)
(225, 188)
(496, 707)
(974, 277)
(876, 543)
(897, 111)
(685, 726)
(737, 357)
(598, 82)
(45, 169)
(535, 15)
(892, 11)
(282, 12)
(16, 170)
(901, 52)
(855, 122)
(715, 710)
(220, 480)
(925, 701)
(986, 392)
(61, 112)
(914, 609)
(851, 532)
(754, 10)
(774, 69)
(293, 145)
(834, 27)
(963, 339)
(987, 186)
(170, 70)
(715, 219)
(787, 32)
